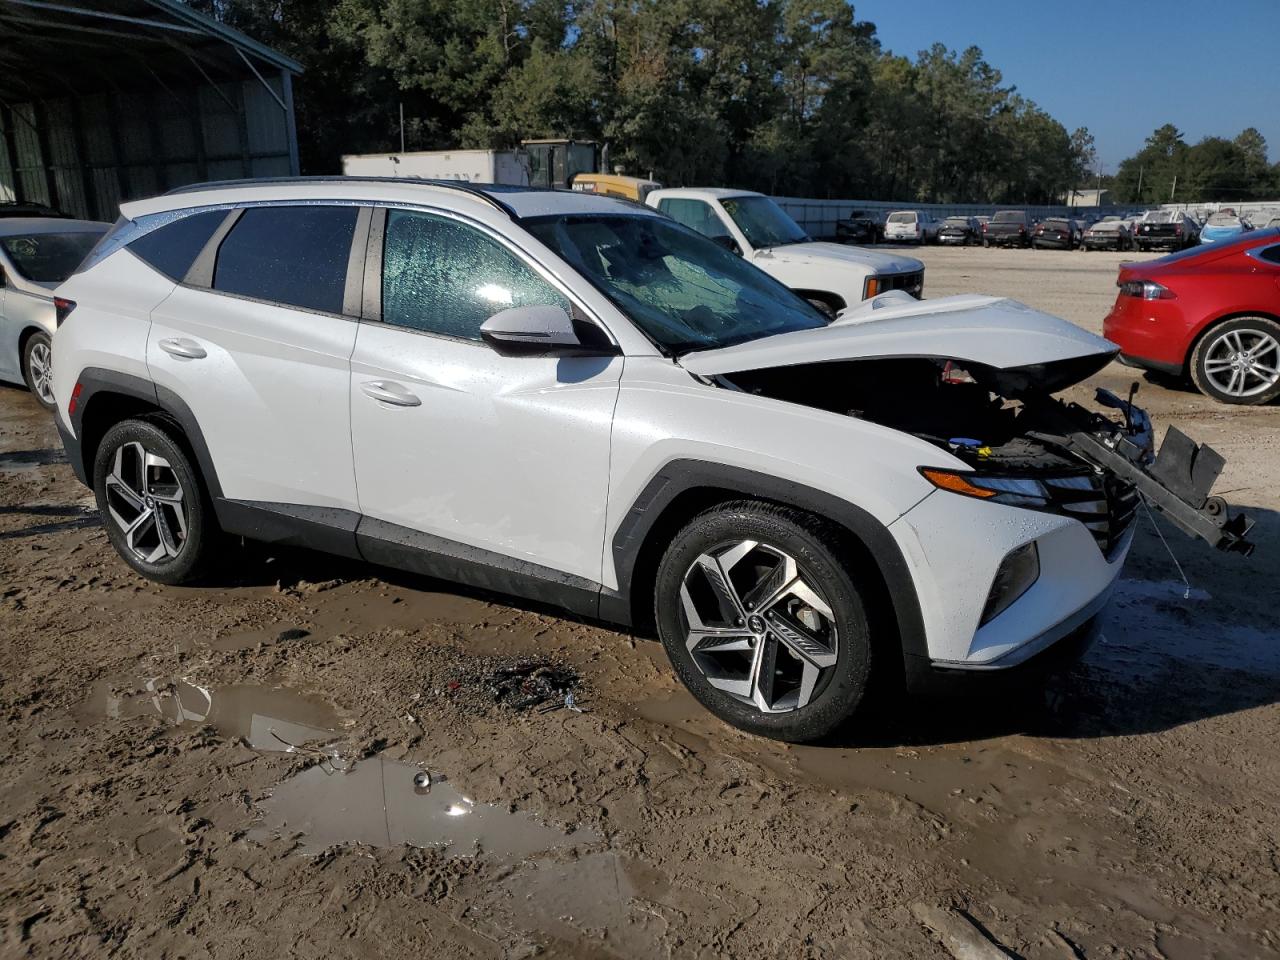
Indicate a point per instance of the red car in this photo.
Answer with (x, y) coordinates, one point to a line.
(1211, 313)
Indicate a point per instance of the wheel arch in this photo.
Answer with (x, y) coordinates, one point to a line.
(108, 397)
(831, 299)
(1205, 330)
(30, 330)
(684, 488)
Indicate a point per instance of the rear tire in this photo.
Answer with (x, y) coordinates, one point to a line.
(762, 621)
(153, 503)
(37, 368)
(1238, 361)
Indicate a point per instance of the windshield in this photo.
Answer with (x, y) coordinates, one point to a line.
(685, 291)
(1223, 220)
(1057, 224)
(1009, 216)
(957, 221)
(764, 223)
(902, 218)
(48, 257)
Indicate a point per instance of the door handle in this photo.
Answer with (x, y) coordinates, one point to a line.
(388, 391)
(181, 347)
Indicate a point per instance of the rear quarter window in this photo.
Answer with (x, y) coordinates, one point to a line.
(172, 249)
(293, 256)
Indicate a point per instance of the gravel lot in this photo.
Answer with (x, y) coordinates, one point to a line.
(151, 736)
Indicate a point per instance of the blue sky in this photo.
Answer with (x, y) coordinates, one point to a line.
(1119, 68)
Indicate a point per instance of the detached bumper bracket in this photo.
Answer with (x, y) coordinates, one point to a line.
(1177, 483)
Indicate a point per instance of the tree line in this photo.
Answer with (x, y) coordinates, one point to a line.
(792, 97)
(1167, 169)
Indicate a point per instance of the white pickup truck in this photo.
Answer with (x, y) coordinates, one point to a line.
(831, 276)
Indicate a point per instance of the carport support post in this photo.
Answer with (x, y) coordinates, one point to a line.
(286, 84)
(41, 128)
(11, 148)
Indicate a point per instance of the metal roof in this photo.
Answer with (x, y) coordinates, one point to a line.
(55, 49)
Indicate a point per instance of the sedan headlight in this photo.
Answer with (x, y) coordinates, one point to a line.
(1011, 491)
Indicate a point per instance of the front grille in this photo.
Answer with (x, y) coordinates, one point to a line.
(1104, 504)
(912, 283)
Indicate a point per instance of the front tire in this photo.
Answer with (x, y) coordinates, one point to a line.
(37, 368)
(762, 621)
(1239, 361)
(152, 502)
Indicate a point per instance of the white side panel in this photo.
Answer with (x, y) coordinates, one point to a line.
(665, 415)
(508, 454)
(270, 394)
(108, 327)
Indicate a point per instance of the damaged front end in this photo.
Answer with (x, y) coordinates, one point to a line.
(1022, 446)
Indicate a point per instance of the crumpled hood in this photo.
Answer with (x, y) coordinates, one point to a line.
(818, 253)
(1038, 350)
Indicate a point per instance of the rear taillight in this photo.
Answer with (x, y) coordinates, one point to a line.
(63, 307)
(1178, 230)
(1145, 290)
(75, 399)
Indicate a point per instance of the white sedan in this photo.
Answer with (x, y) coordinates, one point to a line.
(36, 254)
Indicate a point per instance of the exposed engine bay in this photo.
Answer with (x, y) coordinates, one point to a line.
(1006, 423)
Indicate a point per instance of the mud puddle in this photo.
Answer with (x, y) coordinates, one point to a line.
(21, 461)
(273, 719)
(375, 802)
(379, 802)
(1150, 622)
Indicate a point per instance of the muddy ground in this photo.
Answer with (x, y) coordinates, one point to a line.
(151, 738)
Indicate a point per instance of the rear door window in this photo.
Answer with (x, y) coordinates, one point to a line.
(294, 256)
(172, 249)
(444, 277)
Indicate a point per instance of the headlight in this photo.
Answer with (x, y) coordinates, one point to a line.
(1011, 491)
(1017, 572)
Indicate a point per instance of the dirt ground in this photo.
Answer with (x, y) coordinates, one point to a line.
(177, 776)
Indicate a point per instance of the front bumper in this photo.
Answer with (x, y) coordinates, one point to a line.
(923, 676)
(954, 546)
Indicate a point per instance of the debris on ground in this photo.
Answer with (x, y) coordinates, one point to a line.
(531, 683)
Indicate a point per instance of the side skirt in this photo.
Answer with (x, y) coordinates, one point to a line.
(350, 534)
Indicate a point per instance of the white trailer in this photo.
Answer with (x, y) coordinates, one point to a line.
(473, 166)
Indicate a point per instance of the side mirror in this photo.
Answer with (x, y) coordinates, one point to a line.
(538, 331)
(728, 243)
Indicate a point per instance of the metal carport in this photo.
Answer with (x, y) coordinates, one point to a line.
(109, 100)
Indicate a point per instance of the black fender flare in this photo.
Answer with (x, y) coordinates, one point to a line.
(94, 381)
(680, 476)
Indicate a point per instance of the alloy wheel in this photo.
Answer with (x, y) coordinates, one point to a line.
(146, 501)
(756, 626)
(1243, 362)
(40, 366)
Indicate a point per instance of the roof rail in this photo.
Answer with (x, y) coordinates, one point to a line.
(475, 190)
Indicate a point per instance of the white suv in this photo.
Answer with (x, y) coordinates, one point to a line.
(574, 399)
(910, 226)
(831, 276)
